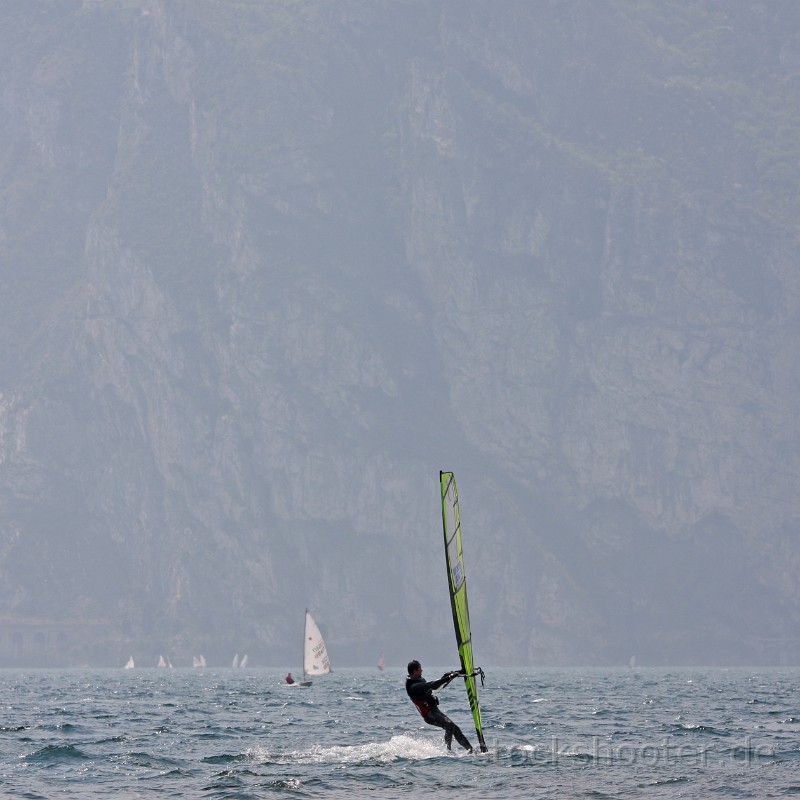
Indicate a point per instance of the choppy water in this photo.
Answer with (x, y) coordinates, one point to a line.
(228, 733)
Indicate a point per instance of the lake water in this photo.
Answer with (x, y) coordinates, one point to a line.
(552, 733)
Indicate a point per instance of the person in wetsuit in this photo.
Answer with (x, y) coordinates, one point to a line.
(421, 693)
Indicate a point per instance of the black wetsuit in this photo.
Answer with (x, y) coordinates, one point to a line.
(421, 693)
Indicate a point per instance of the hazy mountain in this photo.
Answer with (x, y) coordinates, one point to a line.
(269, 266)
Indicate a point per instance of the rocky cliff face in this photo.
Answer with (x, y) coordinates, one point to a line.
(269, 268)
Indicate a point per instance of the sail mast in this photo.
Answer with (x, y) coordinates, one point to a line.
(305, 638)
(457, 583)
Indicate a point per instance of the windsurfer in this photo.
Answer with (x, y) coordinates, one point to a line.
(421, 693)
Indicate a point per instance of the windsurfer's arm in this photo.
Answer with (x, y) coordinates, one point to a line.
(444, 680)
(419, 689)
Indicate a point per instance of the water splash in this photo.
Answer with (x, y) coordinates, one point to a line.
(397, 748)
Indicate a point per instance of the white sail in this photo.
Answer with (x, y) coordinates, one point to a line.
(315, 656)
(130, 664)
(161, 661)
(235, 663)
(243, 663)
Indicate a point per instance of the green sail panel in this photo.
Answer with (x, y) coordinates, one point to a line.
(458, 593)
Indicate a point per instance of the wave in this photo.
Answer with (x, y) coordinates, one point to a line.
(150, 760)
(225, 758)
(705, 730)
(56, 753)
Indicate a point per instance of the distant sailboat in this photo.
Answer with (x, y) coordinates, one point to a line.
(199, 661)
(381, 663)
(243, 662)
(315, 654)
(235, 664)
(161, 661)
(129, 664)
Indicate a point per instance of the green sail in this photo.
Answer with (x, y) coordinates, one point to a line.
(458, 594)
